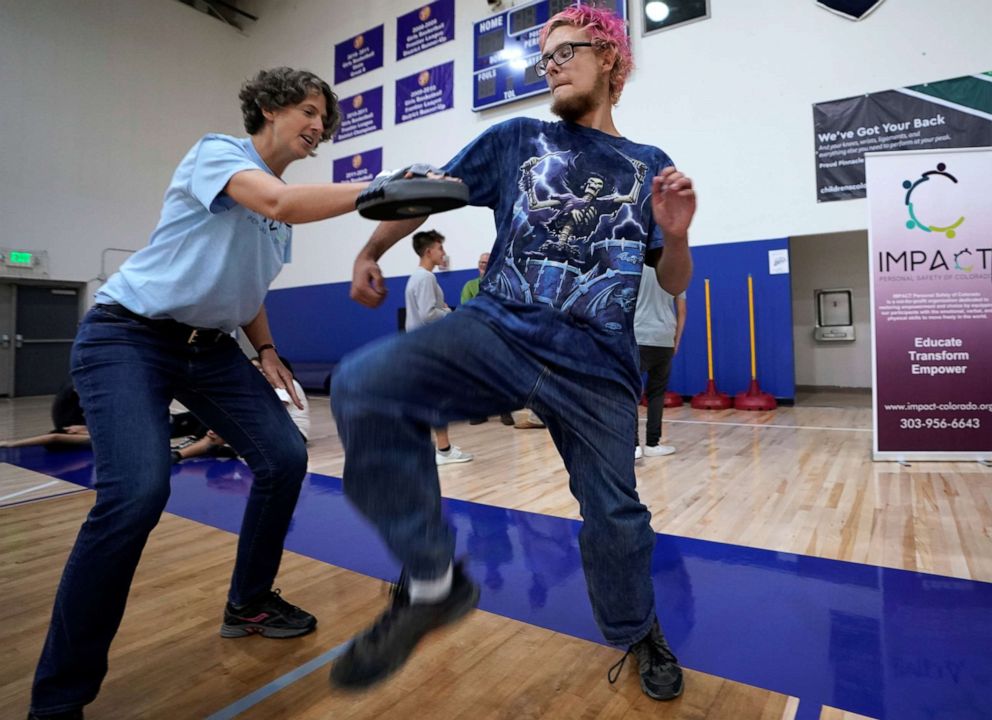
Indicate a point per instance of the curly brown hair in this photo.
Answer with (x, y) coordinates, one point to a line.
(281, 87)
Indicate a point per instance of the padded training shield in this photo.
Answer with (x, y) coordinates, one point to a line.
(397, 197)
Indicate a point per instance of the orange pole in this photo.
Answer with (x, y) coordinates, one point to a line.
(750, 305)
(709, 331)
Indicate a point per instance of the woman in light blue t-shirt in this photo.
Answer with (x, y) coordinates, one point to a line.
(161, 329)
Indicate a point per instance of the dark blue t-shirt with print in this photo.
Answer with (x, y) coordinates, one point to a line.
(573, 220)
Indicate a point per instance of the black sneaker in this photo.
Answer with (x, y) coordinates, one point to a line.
(269, 616)
(478, 420)
(67, 715)
(506, 418)
(385, 646)
(661, 676)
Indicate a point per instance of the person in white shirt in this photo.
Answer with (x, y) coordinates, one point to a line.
(658, 322)
(425, 304)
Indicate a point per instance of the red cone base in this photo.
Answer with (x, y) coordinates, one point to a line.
(712, 399)
(672, 399)
(754, 399)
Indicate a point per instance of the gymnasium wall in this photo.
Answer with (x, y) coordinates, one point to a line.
(729, 98)
(319, 323)
(819, 262)
(101, 100)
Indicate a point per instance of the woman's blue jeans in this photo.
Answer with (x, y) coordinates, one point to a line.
(127, 372)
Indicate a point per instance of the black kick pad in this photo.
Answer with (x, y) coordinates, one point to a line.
(397, 197)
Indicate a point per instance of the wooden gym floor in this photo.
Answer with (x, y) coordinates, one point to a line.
(797, 481)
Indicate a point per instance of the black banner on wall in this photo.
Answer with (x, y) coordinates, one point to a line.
(948, 114)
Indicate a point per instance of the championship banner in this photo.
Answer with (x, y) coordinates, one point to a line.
(427, 27)
(425, 93)
(930, 245)
(360, 167)
(948, 114)
(358, 55)
(360, 114)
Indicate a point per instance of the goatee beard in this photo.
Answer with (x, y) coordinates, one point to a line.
(574, 108)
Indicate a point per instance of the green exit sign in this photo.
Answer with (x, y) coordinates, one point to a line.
(20, 258)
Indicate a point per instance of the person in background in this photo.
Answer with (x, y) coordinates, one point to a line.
(424, 305)
(471, 288)
(658, 323)
(68, 420)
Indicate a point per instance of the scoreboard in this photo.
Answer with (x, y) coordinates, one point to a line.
(505, 48)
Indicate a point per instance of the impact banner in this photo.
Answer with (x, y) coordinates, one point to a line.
(930, 245)
(358, 55)
(948, 114)
(360, 167)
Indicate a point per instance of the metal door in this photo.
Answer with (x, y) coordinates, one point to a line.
(6, 339)
(46, 318)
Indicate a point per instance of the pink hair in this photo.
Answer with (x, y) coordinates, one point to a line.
(607, 31)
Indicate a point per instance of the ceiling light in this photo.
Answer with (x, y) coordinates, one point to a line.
(656, 11)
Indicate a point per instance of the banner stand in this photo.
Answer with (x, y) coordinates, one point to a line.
(930, 269)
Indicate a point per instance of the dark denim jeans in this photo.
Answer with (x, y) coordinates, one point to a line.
(388, 395)
(127, 373)
(657, 363)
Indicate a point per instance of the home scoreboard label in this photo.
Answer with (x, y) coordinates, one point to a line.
(505, 48)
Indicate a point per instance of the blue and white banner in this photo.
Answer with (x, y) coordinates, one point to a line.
(361, 114)
(425, 93)
(358, 55)
(427, 27)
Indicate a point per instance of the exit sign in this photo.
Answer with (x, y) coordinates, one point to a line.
(23, 263)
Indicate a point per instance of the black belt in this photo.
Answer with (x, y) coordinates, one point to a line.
(177, 331)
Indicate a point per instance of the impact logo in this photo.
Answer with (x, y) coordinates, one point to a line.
(929, 198)
(911, 187)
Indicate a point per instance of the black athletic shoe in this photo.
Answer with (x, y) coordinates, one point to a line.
(384, 647)
(269, 616)
(67, 715)
(506, 418)
(478, 420)
(661, 676)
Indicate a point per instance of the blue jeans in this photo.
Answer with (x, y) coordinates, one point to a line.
(127, 373)
(388, 395)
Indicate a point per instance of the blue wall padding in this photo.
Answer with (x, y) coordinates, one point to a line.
(727, 266)
(320, 323)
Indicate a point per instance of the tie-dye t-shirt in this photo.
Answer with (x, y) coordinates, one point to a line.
(573, 217)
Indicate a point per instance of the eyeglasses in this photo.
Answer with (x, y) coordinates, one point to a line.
(562, 54)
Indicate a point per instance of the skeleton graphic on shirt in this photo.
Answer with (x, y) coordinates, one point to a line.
(575, 217)
(582, 265)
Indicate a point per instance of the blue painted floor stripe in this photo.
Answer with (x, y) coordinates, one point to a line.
(884, 643)
(248, 701)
